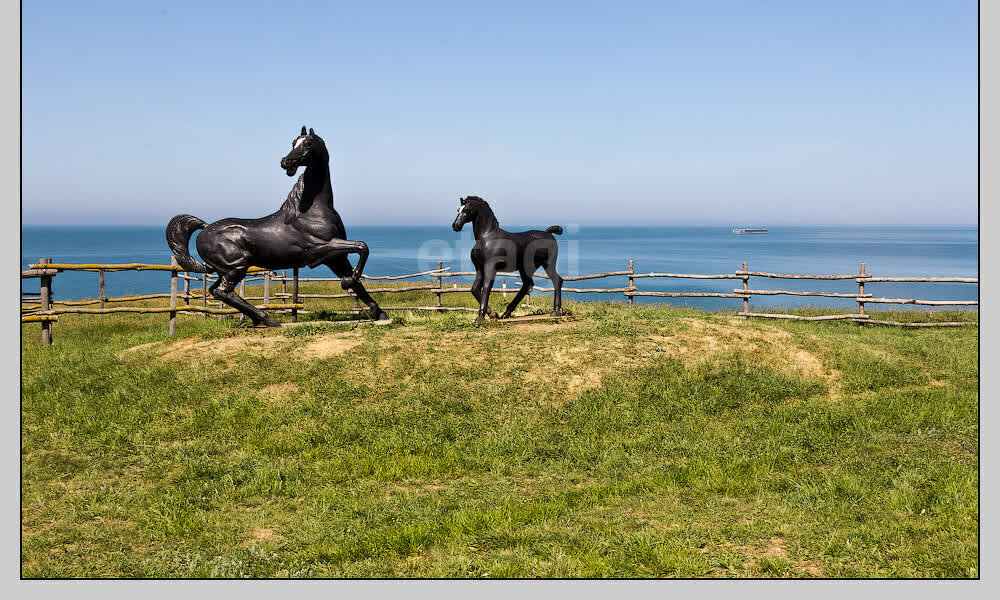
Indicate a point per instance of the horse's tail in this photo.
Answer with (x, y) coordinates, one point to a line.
(179, 231)
(554, 229)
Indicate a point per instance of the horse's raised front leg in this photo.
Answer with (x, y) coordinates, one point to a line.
(526, 284)
(340, 248)
(223, 290)
(342, 268)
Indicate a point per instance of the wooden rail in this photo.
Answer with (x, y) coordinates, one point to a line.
(44, 309)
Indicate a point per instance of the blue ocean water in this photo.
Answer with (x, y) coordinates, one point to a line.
(822, 250)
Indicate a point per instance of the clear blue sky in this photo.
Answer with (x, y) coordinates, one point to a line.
(695, 112)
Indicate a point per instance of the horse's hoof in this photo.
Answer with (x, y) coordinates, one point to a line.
(506, 315)
(272, 322)
(556, 313)
(381, 316)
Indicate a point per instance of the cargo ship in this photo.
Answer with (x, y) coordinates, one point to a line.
(750, 230)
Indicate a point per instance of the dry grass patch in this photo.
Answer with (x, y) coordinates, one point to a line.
(329, 345)
(138, 348)
(196, 350)
(703, 339)
(811, 567)
(279, 391)
(261, 534)
(571, 369)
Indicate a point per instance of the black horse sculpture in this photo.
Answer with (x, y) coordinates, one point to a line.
(305, 231)
(499, 250)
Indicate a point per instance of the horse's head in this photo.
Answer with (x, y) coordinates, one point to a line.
(467, 211)
(306, 149)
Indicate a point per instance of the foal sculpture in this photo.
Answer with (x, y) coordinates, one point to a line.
(499, 250)
(305, 231)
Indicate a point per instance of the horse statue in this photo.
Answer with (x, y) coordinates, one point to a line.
(305, 231)
(499, 250)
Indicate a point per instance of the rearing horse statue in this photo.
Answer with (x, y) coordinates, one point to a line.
(305, 231)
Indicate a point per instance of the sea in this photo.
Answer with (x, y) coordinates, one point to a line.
(897, 251)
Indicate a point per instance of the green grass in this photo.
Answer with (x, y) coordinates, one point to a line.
(642, 441)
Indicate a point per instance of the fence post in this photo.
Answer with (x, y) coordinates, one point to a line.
(284, 276)
(46, 298)
(861, 292)
(746, 297)
(631, 281)
(295, 294)
(100, 285)
(440, 266)
(173, 295)
(267, 287)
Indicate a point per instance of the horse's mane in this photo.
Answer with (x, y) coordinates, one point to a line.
(479, 204)
(482, 210)
(293, 204)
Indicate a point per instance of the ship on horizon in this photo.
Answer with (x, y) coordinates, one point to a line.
(741, 230)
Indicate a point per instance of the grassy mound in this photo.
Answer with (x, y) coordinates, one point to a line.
(631, 442)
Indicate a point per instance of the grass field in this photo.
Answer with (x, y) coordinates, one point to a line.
(631, 442)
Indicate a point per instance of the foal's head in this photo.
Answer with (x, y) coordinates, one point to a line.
(306, 149)
(468, 210)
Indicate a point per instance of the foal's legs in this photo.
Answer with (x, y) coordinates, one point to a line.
(223, 290)
(550, 268)
(526, 283)
(342, 268)
(477, 290)
(489, 274)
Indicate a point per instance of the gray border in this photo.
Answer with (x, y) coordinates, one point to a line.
(10, 246)
(990, 244)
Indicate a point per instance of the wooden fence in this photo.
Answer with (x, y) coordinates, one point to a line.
(41, 307)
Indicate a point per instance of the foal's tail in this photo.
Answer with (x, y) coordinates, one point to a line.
(554, 229)
(179, 231)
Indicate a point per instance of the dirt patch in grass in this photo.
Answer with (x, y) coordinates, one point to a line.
(279, 391)
(811, 567)
(702, 339)
(262, 534)
(138, 348)
(774, 548)
(570, 369)
(195, 349)
(28, 531)
(329, 345)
